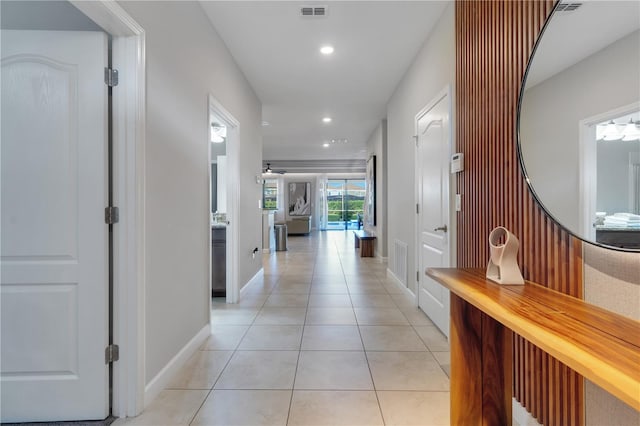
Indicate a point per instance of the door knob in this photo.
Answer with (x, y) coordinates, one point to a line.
(442, 228)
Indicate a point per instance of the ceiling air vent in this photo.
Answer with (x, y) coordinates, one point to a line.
(568, 7)
(313, 11)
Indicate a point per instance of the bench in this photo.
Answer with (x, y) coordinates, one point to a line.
(364, 241)
(602, 346)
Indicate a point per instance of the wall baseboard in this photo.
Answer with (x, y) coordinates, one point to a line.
(256, 278)
(162, 379)
(520, 415)
(401, 286)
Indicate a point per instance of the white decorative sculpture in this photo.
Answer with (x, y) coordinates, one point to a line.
(503, 264)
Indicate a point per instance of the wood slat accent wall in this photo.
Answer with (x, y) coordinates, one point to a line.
(494, 40)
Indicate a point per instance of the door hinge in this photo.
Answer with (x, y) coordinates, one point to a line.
(111, 215)
(417, 208)
(418, 276)
(111, 354)
(415, 138)
(110, 77)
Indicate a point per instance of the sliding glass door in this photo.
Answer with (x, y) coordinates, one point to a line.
(345, 203)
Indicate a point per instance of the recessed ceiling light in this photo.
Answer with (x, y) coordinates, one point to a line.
(326, 145)
(326, 120)
(265, 123)
(326, 50)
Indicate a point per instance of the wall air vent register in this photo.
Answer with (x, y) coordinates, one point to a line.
(313, 11)
(568, 7)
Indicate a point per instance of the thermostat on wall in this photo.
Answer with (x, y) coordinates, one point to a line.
(457, 162)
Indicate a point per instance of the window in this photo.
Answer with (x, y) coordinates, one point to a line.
(345, 203)
(270, 194)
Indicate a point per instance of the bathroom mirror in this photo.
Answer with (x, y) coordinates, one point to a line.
(579, 121)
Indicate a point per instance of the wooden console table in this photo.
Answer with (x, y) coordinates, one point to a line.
(601, 346)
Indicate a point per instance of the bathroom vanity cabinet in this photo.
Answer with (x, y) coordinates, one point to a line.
(218, 261)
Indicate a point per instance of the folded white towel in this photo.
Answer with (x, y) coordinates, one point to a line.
(628, 216)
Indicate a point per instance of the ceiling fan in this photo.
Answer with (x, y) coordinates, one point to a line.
(268, 170)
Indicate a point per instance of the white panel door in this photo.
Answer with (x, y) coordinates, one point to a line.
(54, 240)
(433, 194)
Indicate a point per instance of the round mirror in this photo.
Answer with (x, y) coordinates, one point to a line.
(579, 121)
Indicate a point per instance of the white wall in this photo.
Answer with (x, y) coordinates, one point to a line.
(433, 68)
(186, 61)
(377, 145)
(552, 110)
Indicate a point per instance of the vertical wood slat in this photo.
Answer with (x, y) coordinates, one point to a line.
(494, 40)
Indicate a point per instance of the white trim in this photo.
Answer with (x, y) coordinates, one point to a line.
(233, 199)
(257, 278)
(405, 290)
(163, 378)
(129, 193)
(587, 167)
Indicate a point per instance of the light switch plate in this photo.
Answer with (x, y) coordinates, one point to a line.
(458, 202)
(457, 162)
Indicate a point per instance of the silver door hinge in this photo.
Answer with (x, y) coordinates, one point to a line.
(111, 354)
(111, 215)
(417, 208)
(415, 138)
(417, 275)
(110, 77)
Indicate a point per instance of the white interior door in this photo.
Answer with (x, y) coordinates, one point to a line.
(54, 240)
(433, 200)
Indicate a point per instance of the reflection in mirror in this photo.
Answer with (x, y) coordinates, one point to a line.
(218, 152)
(579, 121)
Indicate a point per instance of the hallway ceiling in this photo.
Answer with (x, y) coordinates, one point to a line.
(278, 51)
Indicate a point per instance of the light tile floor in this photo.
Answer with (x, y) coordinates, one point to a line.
(325, 339)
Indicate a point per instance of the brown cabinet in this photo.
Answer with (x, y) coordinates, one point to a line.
(218, 261)
(626, 238)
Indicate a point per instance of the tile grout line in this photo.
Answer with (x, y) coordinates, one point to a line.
(235, 350)
(358, 268)
(295, 374)
(366, 357)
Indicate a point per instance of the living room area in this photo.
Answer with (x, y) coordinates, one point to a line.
(306, 202)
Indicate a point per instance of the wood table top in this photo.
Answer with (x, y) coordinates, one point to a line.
(602, 346)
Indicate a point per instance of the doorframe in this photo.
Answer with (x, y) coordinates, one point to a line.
(129, 123)
(451, 232)
(233, 201)
(587, 166)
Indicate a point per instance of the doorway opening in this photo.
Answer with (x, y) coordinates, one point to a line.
(609, 171)
(222, 138)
